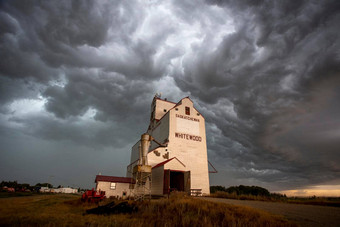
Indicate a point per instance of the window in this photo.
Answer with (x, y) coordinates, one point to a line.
(113, 186)
(187, 110)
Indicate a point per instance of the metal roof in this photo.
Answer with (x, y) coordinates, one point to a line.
(114, 179)
(163, 163)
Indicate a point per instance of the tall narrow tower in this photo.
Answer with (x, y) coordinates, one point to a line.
(182, 165)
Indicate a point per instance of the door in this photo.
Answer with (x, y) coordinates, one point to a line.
(187, 182)
(166, 182)
(176, 181)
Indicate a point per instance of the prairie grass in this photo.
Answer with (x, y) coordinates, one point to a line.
(178, 210)
(321, 201)
(228, 195)
(15, 194)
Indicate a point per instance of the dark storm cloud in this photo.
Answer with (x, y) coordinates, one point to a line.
(81, 59)
(308, 135)
(108, 93)
(89, 134)
(43, 37)
(11, 89)
(84, 73)
(278, 50)
(57, 48)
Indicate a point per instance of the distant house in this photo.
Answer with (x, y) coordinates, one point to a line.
(44, 189)
(65, 190)
(58, 190)
(118, 187)
(68, 190)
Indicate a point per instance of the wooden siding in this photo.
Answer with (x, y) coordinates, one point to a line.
(118, 192)
(157, 181)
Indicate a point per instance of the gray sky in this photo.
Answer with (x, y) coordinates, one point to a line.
(77, 79)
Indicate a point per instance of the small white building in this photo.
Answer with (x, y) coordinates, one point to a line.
(183, 164)
(66, 190)
(58, 190)
(118, 187)
(44, 189)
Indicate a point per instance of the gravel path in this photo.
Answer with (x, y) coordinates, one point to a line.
(303, 215)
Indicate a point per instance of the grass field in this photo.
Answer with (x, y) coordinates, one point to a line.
(320, 201)
(179, 210)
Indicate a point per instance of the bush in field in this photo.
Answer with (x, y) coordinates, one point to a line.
(218, 188)
(233, 195)
(248, 190)
(246, 193)
(242, 190)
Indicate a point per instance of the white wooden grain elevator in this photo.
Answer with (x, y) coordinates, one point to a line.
(176, 157)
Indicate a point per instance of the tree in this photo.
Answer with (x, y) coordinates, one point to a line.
(214, 189)
(44, 185)
(248, 190)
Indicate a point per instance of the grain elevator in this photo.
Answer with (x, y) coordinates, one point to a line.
(172, 154)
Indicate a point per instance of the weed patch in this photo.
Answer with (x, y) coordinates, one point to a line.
(125, 207)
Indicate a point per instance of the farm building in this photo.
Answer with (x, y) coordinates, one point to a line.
(58, 190)
(65, 190)
(114, 186)
(178, 152)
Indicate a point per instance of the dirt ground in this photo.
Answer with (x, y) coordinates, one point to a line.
(303, 215)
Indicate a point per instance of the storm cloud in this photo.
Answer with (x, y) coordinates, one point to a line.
(77, 79)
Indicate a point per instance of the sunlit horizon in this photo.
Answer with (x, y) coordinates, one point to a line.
(317, 190)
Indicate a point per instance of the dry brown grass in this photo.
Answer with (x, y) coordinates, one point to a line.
(227, 195)
(179, 210)
(320, 201)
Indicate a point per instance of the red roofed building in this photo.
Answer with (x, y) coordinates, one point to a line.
(118, 187)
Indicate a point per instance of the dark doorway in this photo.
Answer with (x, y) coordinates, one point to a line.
(176, 181)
